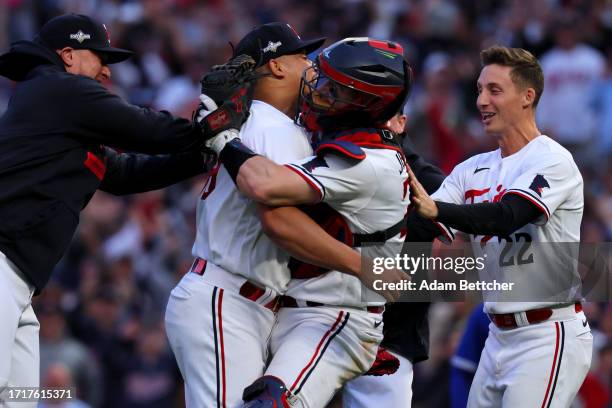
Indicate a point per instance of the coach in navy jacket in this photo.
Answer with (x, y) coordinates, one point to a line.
(56, 138)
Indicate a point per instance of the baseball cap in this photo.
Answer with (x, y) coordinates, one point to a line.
(273, 40)
(81, 33)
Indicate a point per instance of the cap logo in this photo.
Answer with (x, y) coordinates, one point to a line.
(294, 32)
(80, 36)
(107, 34)
(272, 46)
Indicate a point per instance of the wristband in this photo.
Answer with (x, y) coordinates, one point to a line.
(233, 155)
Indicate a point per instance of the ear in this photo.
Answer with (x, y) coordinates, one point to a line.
(528, 98)
(67, 56)
(402, 119)
(277, 67)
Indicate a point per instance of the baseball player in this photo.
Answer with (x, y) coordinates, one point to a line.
(220, 315)
(406, 331)
(527, 191)
(330, 325)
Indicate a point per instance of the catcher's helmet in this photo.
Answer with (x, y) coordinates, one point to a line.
(356, 82)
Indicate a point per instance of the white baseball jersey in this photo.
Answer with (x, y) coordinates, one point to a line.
(218, 336)
(544, 173)
(371, 195)
(228, 228)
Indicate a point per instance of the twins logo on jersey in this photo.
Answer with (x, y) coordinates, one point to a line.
(470, 195)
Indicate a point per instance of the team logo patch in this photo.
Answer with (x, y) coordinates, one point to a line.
(538, 184)
(272, 46)
(80, 36)
(314, 163)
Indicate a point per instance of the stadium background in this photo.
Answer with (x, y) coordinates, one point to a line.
(102, 314)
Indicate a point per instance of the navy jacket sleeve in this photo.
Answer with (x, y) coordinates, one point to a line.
(129, 173)
(100, 117)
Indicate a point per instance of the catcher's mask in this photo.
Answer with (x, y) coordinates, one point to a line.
(356, 82)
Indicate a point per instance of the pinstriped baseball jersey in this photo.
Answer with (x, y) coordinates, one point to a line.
(544, 173)
(228, 228)
(371, 195)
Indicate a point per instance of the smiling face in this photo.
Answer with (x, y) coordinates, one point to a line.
(502, 103)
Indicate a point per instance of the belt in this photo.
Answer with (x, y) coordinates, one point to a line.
(288, 301)
(520, 319)
(248, 289)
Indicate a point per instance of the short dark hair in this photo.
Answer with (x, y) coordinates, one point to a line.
(526, 70)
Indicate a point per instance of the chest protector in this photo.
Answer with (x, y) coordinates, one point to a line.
(348, 144)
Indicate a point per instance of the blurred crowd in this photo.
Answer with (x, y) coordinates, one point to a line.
(102, 315)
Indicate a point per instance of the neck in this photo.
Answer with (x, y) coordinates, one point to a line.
(278, 98)
(516, 137)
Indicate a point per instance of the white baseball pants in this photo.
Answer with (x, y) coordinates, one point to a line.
(19, 349)
(540, 365)
(219, 339)
(316, 350)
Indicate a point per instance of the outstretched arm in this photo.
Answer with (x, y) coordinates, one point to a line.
(255, 176)
(500, 218)
(269, 183)
(130, 173)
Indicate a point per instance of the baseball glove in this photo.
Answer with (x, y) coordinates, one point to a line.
(224, 81)
(230, 87)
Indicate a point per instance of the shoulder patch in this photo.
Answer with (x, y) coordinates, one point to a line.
(341, 147)
(538, 184)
